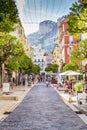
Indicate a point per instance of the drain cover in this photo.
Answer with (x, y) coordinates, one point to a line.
(78, 112)
(7, 112)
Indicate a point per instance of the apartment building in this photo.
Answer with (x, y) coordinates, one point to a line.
(66, 42)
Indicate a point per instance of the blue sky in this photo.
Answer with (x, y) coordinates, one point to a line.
(32, 12)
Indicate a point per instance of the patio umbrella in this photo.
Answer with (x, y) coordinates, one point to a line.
(70, 72)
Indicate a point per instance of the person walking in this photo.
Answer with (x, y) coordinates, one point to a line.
(23, 81)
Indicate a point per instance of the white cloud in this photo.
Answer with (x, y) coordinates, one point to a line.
(21, 6)
(30, 28)
(28, 14)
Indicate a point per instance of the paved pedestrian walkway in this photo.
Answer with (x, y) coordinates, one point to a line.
(72, 99)
(9, 100)
(43, 109)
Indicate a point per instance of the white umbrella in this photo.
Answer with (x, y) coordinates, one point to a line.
(70, 72)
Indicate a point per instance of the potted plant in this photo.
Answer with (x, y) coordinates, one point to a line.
(78, 88)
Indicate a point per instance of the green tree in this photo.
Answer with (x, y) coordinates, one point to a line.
(70, 66)
(79, 54)
(8, 15)
(36, 69)
(52, 67)
(7, 43)
(25, 64)
(48, 68)
(14, 59)
(80, 51)
(19, 62)
(77, 22)
(10, 49)
(12, 64)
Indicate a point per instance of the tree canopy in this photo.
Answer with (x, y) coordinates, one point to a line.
(8, 15)
(80, 51)
(7, 45)
(19, 62)
(35, 69)
(52, 67)
(70, 66)
(77, 22)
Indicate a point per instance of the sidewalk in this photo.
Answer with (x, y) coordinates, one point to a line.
(73, 100)
(12, 99)
(42, 109)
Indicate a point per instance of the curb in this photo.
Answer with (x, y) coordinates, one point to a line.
(73, 107)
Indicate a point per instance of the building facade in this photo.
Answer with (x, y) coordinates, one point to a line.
(66, 42)
(55, 52)
(39, 58)
(48, 58)
(20, 35)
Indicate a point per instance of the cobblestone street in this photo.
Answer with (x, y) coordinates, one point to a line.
(42, 109)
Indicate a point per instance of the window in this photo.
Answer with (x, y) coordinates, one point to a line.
(42, 60)
(69, 50)
(71, 39)
(38, 60)
(35, 60)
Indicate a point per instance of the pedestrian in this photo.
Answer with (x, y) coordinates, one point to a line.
(47, 83)
(71, 84)
(23, 81)
(29, 80)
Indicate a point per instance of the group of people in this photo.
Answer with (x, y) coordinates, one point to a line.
(67, 84)
(27, 80)
(43, 78)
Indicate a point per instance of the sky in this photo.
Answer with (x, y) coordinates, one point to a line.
(32, 12)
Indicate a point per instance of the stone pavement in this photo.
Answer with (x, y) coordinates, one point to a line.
(73, 100)
(42, 109)
(10, 100)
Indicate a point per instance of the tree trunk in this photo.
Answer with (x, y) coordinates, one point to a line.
(19, 76)
(86, 73)
(16, 78)
(1, 74)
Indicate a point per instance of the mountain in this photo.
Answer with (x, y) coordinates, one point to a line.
(45, 35)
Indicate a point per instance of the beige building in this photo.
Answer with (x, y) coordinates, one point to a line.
(20, 35)
(55, 53)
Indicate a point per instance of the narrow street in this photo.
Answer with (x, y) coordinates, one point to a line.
(42, 109)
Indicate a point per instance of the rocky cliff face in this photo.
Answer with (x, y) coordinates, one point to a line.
(45, 36)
